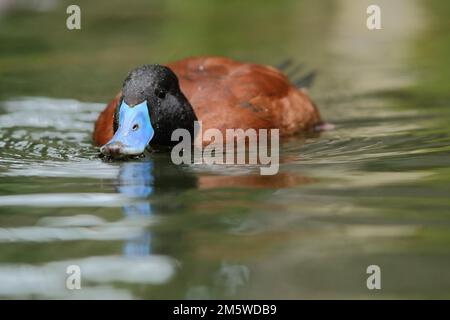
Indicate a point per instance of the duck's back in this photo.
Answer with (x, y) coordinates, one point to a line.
(226, 94)
(229, 94)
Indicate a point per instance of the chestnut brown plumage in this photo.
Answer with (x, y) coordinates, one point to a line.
(227, 94)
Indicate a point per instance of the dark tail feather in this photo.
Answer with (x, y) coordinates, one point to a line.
(289, 68)
(284, 65)
(295, 71)
(305, 81)
(292, 71)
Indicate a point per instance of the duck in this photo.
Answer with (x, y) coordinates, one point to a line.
(219, 92)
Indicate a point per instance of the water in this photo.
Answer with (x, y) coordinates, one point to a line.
(373, 191)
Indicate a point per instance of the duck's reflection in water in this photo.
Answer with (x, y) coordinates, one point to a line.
(136, 181)
(157, 186)
(141, 180)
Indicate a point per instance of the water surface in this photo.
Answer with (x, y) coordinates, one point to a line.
(375, 190)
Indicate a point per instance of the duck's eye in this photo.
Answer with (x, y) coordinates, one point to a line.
(135, 127)
(160, 93)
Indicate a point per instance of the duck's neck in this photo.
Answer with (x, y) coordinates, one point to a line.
(174, 112)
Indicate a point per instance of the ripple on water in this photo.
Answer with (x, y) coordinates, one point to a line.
(59, 130)
(57, 193)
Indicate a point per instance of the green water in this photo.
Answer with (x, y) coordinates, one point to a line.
(373, 191)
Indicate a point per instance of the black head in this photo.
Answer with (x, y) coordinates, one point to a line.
(152, 106)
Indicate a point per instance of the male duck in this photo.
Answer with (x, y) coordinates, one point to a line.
(221, 93)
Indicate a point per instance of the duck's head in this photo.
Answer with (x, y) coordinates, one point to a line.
(151, 107)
